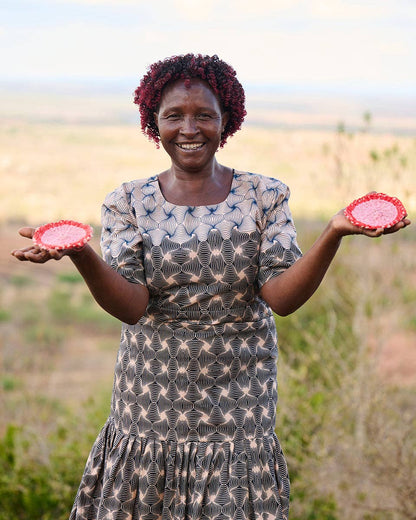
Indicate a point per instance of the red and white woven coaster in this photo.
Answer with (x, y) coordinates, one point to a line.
(375, 210)
(65, 234)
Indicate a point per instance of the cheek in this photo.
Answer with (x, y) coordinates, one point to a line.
(214, 130)
(166, 145)
(167, 132)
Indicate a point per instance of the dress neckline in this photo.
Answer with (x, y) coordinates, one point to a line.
(172, 204)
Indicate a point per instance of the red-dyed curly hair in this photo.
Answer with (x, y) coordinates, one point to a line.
(220, 76)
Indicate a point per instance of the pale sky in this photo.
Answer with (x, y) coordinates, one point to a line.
(365, 44)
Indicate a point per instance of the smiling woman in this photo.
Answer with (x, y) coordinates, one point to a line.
(192, 104)
(196, 259)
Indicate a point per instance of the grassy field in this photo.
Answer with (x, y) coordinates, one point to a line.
(64, 171)
(348, 358)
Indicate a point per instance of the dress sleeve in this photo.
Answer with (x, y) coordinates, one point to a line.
(278, 247)
(121, 242)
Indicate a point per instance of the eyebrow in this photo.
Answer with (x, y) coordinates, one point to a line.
(179, 109)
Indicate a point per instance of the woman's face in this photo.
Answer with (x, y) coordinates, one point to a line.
(190, 123)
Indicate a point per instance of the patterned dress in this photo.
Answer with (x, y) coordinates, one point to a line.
(191, 430)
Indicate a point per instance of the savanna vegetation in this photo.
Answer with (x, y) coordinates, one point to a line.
(347, 366)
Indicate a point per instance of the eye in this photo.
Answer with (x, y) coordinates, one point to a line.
(173, 117)
(204, 116)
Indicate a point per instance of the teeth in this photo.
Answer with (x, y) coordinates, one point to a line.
(190, 146)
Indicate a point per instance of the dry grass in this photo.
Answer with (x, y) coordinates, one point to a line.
(58, 348)
(51, 171)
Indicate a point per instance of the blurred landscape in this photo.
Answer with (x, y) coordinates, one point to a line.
(347, 367)
(286, 106)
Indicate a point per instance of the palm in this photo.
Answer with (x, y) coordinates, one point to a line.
(34, 253)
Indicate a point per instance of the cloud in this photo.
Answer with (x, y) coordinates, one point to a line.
(273, 42)
(358, 10)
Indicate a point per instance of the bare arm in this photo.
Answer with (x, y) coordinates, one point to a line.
(116, 295)
(291, 289)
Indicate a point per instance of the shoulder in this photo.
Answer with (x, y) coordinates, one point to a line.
(267, 191)
(124, 195)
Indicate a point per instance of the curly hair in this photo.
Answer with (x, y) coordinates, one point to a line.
(220, 76)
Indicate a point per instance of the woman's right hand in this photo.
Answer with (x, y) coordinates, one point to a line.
(34, 253)
(115, 294)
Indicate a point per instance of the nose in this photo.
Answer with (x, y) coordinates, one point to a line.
(189, 126)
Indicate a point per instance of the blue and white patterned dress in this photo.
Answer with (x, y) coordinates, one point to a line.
(191, 429)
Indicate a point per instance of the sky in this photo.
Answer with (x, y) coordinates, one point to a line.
(335, 44)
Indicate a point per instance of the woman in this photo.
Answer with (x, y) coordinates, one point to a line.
(196, 259)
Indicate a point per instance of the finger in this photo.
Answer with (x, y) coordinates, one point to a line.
(56, 254)
(27, 232)
(32, 249)
(379, 231)
(400, 225)
(19, 254)
(373, 233)
(32, 254)
(38, 257)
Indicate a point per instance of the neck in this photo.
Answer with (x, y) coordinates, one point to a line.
(204, 187)
(210, 171)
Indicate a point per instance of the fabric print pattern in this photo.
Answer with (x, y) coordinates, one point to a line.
(191, 429)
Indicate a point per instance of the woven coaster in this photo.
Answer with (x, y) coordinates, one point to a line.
(375, 210)
(65, 234)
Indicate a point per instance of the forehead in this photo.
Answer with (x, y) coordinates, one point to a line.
(194, 91)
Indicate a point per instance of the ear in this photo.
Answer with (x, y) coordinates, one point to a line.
(225, 116)
(156, 118)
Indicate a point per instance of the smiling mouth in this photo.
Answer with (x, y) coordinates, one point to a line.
(190, 146)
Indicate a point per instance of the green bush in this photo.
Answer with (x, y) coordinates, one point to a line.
(40, 473)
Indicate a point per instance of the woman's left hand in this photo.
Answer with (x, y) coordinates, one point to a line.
(344, 227)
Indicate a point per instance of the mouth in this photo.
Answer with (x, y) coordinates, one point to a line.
(190, 146)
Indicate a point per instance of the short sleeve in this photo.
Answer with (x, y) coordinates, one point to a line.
(121, 242)
(278, 247)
